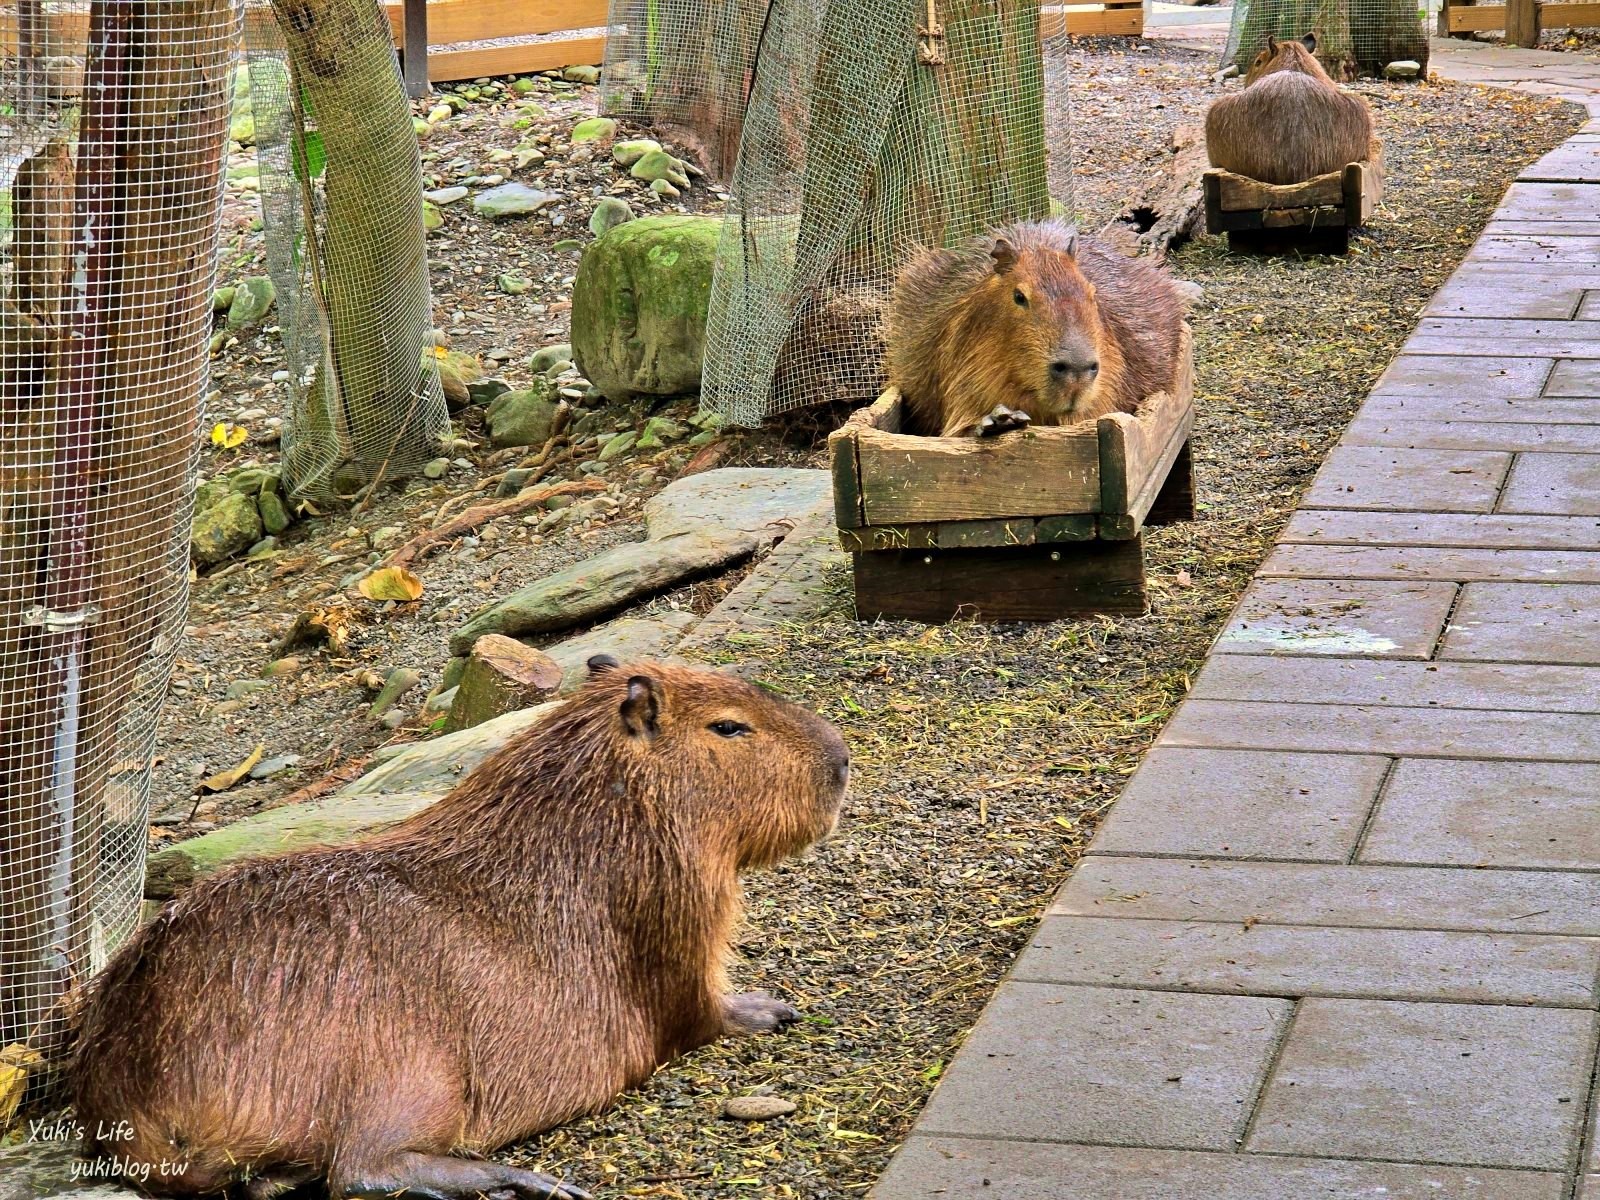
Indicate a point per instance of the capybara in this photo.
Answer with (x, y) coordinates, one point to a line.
(548, 934)
(1291, 122)
(1029, 323)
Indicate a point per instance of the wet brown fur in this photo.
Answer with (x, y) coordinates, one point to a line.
(541, 939)
(961, 343)
(1291, 122)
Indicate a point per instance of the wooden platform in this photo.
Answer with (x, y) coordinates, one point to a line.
(1034, 525)
(1326, 207)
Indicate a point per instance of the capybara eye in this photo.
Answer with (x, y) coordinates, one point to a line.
(729, 729)
(1020, 298)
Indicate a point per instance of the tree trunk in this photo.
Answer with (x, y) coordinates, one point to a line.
(1354, 37)
(372, 398)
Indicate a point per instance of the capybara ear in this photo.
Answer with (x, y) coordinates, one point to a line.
(640, 707)
(1272, 44)
(599, 664)
(1310, 42)
(1072, 240)
(1004, 255)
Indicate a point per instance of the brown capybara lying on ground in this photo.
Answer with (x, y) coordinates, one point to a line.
(541, 939)
(1029, 323)
(1291, 122)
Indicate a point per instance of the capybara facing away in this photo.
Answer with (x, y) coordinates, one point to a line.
(1291, 122)
(1030, 318)
(537, 941)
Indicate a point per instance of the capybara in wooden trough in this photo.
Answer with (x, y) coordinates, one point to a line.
(547, 935)
(1291, 122)
(1029, 323)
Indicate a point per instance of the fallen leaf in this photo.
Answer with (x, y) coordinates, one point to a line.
(1183, 579)
(223, 780)
(15, 1060)
(390, 583)
(229, 437)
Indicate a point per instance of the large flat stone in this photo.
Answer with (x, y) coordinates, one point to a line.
(1556, 484)
(1431, 563)
(1475, 291)
(1505, 814)
(1576, 161)
(1497, 687)
(1228, 804)
(1526, 622)
(1110, 1065)
(1502, 436)
(1565, 410)
(1471, 1084)
(934, 1168)
(1550, 201)
(1549, 252)
(1576, 378)
(1377, 729)
(1334, 616)
(1467, 375)
(1288, 960)
(1378, 897)
(1371, 477)
(1443, 529)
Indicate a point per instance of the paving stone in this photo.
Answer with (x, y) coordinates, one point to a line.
(1471, 1084)
(1571, 162)
(1377, 897)
(1503, 436)
(1589, 1187)
(1232, 804)
(1334, 616)
(1415, 732)
(1411, 480)
(1589, 306)
(1560, 484)
(1430, 563)
(1478, 292)
(931, 1168)
(1574, 377)
(1526, 200)
(1546, 228)
(1526, 622)
(1443, 529)
(1473, 375)
(1441, 406)
(1289, 960)
(1110, 1065)
(1553, 252)
(1497, 687)
(1471, 813)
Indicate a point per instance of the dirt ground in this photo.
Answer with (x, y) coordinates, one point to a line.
(985, 754)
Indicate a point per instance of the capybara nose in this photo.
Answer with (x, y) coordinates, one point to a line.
(1062, 369)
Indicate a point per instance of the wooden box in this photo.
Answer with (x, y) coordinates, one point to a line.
(1324, 209)
(1034, 525)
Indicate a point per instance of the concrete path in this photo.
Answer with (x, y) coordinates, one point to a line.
(1340, 936)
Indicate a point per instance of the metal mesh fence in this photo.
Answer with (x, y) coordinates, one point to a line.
(341, 204)
(870, 130)
(113, 136)
(685, 65)
(1354, 37)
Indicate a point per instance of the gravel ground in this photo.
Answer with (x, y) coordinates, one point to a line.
(985, 754)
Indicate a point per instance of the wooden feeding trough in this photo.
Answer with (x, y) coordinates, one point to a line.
(1321, 210)
(1034, 525)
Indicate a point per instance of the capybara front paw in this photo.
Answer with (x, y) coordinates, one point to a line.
(1002, 419)
(756, 1012)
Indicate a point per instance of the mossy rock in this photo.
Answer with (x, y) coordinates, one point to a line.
(639, 305)
(523, 418)
(227, 527)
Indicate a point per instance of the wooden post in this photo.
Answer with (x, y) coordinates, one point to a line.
(1522, 23)
(414, 58)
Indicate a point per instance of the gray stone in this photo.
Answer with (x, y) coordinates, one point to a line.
(1109, 1065)
(501, 676)
(484, 391)
(1238, 804)
(267, 768)
(1559, 484)
(1371, 477)
(548, 356)
(241, 689)
(626, 639)
(1466, 813)
(659, 432)
(610, 212)
(639, 305)
(1504, 436)
(757, 1108)
(512, 200)
(1425, 375)
(1466, 1083)
(513, 283)
(48, 1169)
(228, 527)
(1403, 68)
(435, 766)
(1310, 616)
(436, 468)
(616, 447)
(627, 153)
(399, 681)
(657, 166)
(523, 418)
(583, 73)
(1524, 902)
(252, 300)
(594, 129)
(1444, 529)
(1526, 622)
(1432, 563)
(1475, 291)
(445, 195)
(275, 515)
(1287, 960)
(934, 1168)
(736, 499)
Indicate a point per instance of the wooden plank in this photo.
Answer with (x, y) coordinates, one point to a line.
(1240, 193)
(1175, 500)
(1565, 16)
(414, 58)
(1023, 583)
(1073, 527)
(1039, 472)
(1092, 22)
(516, 60)
(1522, 23)
(1479, 18)
(451, 21)
(959, 535)
(1136, 449)
(847, 512)
(889, 537)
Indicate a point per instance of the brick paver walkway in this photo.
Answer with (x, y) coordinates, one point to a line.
(1340, 937)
